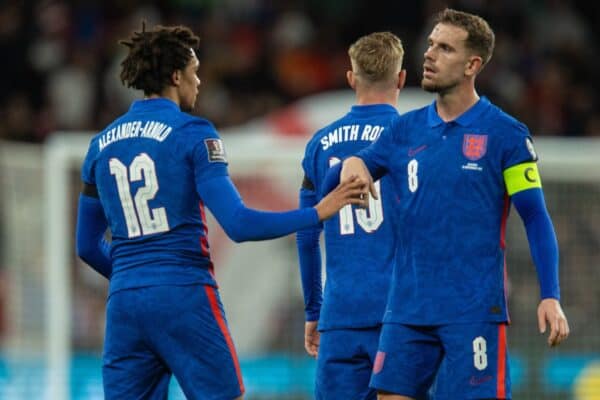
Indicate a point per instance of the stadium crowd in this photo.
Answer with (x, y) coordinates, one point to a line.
(61, 62)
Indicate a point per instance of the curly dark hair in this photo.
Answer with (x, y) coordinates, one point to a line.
(154, 55)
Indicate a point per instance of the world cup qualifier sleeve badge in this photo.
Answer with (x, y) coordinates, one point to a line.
(474, 146)
(215, 150)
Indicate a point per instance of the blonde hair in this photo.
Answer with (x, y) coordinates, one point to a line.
(377, 57)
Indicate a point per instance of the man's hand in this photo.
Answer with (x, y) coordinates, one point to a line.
(347, 192)
(354, 166)
(311, 338)
(550, 311)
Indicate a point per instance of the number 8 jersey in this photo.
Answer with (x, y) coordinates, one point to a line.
(359, 243)
(145, 167)
(454, 180)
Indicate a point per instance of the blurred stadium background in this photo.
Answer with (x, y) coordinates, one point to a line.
(272, 74)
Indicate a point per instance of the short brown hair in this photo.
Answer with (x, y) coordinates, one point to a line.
(480, 37)
(377, 57)
(154, 56)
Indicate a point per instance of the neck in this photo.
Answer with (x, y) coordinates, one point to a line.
(452, 104)
(167, 94)
(365, 98)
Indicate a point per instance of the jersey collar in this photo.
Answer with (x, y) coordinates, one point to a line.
(153, 104)
(465, 119)
(370, 109)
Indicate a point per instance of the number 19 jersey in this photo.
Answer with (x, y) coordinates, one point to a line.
(359, 243)
(146, 166)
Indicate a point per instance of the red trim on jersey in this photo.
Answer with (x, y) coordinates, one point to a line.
(216, 310)
(204, 240)
(506, 290)
(503, 246)
(501, 378)
(503, 221)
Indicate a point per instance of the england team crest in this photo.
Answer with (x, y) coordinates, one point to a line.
(474, 146)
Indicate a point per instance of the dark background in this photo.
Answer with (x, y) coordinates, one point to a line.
(61, 58)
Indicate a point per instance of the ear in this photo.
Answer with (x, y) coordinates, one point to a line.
(351, 79)
(176, 77)
(473, 66)
(401, 79)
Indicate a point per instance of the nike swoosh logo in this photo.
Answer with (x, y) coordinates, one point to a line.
(476, 381)
(412, 152)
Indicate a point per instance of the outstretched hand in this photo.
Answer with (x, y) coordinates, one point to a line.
(312, 338)
(550, 312)
(349, 191)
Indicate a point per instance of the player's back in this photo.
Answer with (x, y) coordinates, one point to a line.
(359, 242)
(145, 167)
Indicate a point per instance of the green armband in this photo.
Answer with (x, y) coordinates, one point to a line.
(522, 177)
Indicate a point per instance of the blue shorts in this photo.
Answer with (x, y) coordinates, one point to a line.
(157, 331)
(475, 361)
(345, 363)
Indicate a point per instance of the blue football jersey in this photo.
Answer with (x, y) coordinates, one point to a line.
(146, 167)
(359, 243)
(452, 212)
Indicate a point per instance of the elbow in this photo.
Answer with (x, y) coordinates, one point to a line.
(235, 233)
(236, 227)
(86, 254)
(236, 238)
(87, 250)
(83, 251)
(94, 258)
(86, 258)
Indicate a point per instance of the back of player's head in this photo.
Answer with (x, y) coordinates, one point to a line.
(480, 37)
(154, 55)
(377, 57)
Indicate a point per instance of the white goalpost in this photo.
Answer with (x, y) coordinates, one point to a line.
(61, 152)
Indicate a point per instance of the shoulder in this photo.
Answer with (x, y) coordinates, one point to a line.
(416, 114)
(416, 117)
(505, 124)
(324, 131)
(96, 143)
(513, 135)
(402, 126)
(315, 139)
(314, 143)
(197, 124)
(193, 129)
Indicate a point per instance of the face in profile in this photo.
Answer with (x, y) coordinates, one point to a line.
(189, 83)
(446, 58)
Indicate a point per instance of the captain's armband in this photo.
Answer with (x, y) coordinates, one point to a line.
(522, 177)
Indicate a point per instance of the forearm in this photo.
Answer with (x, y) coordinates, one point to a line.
(244, 224)
(350, 166)
(248, 224)
(542, 239)
(357, 165)
(309, 256)
(91, 246)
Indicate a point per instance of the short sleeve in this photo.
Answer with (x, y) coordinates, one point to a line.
(377, 156)
(518, 147)
(207, 152)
